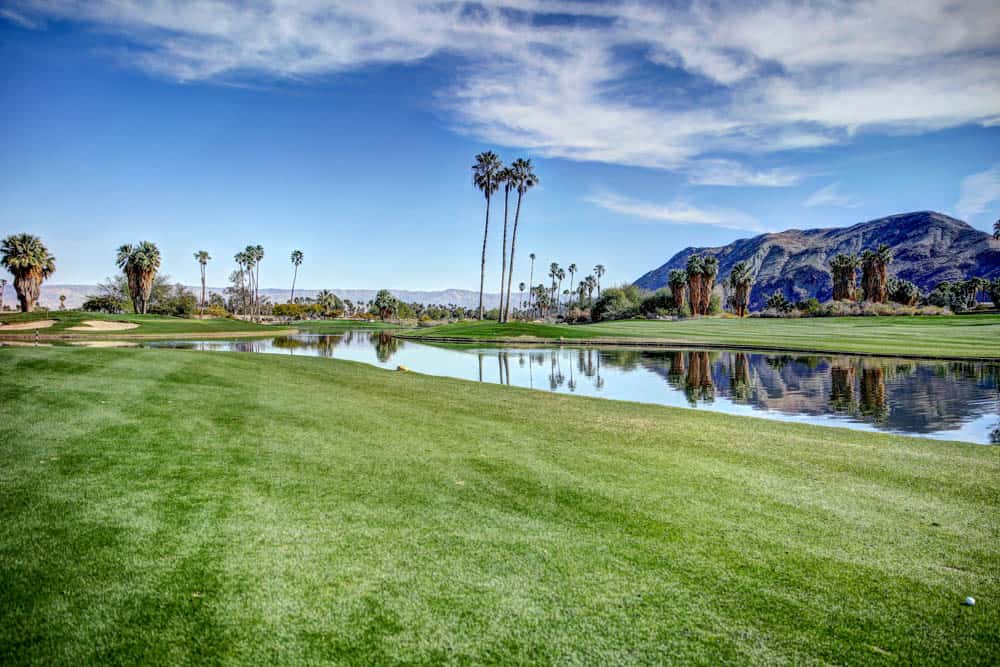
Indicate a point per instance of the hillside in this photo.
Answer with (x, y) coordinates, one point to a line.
(929, 248)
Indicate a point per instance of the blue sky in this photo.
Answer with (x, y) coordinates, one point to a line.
(348, 131)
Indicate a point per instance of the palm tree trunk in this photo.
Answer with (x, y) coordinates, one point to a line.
(482, 266)
(531, 274)
(202, 289)
(503, 255)
(294, 277)
(513, 243)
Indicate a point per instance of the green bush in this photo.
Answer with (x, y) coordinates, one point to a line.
(617, 303)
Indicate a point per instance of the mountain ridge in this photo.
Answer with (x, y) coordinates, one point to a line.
(929, 248)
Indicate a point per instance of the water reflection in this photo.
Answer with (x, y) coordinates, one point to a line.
(952, 399)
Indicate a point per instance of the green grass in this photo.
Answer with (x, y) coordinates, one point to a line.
(165, 507)
(149, 325)
(340, 326)
(964, 336)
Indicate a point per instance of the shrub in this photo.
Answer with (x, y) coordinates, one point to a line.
(659, 302)
(617, 303)
(810, 306)
(777, 302)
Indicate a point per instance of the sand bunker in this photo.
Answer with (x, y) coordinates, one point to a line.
(103, 325)
(21, 326)
(104, 343)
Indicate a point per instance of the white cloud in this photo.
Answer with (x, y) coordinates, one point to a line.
(729, 78)
(727, 172)
(831, 195)
(23, 21)
(678, 213)
(977, 192)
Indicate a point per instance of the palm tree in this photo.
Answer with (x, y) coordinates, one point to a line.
(591, 283)
(695, 267)
(506, 177)
(520, 288)
(242, 260)
(553, 272)
(709, 270)
(30, 262)
(139, 262)
(560, 276)
(62, 302)
(203, 258)
(531, 276)
(874, 268)
(258, 255)
(996, 230)
(296, 262)
(486, 172)
(3, 287)
(678, 282)
(524, 180)
(385, 302)
(250, 261)
(326, 299)
(741, 280)
(572, 270)
(599, 271)
(844, 268)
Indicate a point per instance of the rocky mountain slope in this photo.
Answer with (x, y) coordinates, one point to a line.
(929, 247)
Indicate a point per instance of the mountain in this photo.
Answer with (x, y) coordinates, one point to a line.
(75, 295)
(929, 247)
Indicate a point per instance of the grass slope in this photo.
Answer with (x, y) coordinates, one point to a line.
(149, 325)
(166, 506)
(340, 326)
(964, 336)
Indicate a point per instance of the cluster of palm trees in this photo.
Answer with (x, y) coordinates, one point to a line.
(30, 262)
(700, 275)
(489, 175)
(874, 274)
(139, 262)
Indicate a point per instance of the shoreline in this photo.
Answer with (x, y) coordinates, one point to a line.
(97, 335)
(661, 343)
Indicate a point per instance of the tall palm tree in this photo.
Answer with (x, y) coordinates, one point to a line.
(296, 262)
(30, 262)
(695, 266)
(598, 272)
(560, 276)
(506, 178)
(531, 276)
(844, 268)
(486, 172)
(591, 283)
(553, 272)
(203, 258)
(874, 270)
(572, 270)
(258, 255)
(3, 287)
(709, 270)
(741, 280)
(250, 262)
(524, 180)
(241, 260)
(677, 281)
(139, 262)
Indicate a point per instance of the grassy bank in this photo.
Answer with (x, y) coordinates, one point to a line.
(966, 336)
(166, 506)
(149, 325)
(340, 326)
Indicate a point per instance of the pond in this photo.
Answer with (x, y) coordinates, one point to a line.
(955, 400)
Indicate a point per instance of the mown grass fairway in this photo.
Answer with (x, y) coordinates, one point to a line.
(963, 336)
(149, 325)
(165, 506)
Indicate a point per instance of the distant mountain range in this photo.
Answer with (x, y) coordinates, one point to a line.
(929, 248)
(75, 295)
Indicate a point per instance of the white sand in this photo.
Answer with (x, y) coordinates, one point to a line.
(21, 326)
(103, 325)
(104, 343)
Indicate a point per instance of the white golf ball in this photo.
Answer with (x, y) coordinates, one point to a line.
(969, 601)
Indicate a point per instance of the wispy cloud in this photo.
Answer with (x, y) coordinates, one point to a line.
(977, 192)
(728, 172)
(677, 212)
(831, 195)
(551, 77)
(19, 19)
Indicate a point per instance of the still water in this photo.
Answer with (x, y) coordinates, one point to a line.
(956, 400)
